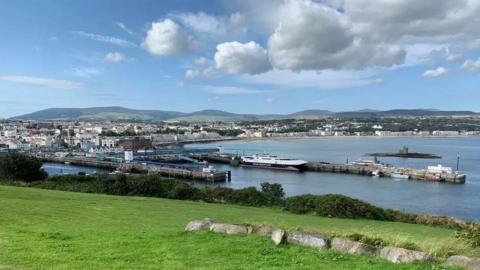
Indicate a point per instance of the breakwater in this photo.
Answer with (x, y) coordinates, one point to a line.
(367, 170)
(169, 171)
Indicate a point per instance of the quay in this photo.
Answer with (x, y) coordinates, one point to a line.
(373, 169)
(169, 170)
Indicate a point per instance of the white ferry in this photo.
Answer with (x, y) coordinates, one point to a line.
(273, 162)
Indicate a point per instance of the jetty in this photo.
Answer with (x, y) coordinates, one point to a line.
(169, 170)
(367, 169)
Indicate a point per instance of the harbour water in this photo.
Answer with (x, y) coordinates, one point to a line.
(63, 169)
(462, 201)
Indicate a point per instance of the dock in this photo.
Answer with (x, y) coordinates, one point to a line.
(168, 170)
(375, 169)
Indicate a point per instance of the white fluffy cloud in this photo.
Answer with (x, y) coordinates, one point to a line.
(114, 57)
(433, 73)
(472, 65)
(241, 58)
(412, 20)
(312, 36)
(167, 38)
(202, 22)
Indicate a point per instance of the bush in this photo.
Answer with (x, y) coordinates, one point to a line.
(14, 166)
(246, 196)
(377, 242)
(273, 193)
(332, 205)
(470, 234)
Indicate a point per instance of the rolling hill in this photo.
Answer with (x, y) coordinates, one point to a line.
(126, 114)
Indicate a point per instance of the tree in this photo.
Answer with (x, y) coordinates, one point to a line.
(273, 193)
(21, 167)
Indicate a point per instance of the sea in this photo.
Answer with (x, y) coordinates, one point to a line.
(433, 198)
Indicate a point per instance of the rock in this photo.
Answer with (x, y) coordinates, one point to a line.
(278, 236)
(263, 230)
(352, 247)
(463, 261)
(230, 228)
(401, 255)
(308, 239)
(196, 225)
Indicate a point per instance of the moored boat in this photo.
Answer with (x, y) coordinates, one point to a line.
(273, 162)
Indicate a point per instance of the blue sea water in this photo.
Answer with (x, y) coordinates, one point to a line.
(462, 201)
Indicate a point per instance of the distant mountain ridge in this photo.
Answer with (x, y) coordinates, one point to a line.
(121, 113)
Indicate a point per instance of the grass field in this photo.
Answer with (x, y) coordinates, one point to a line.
(44, 229)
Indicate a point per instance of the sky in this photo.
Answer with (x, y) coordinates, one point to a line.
(243, 56)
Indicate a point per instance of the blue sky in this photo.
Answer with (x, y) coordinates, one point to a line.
(240, 56)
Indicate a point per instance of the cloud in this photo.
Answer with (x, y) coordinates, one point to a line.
(85, 71)
(414, 21)
(114, 57)
(326, 79)
(433, 73)
(241, 58)
(106, 39)
(472, 65)
(43, 82)
(202, 22)
(124, 28)
(228, 90)
(193, 73)
(312, 36)
(167, 38)
(201, 61)
(270, 100)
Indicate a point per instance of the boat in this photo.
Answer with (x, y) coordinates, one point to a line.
(210, 169)
(273, 162)
(439, 169)
(400, 175)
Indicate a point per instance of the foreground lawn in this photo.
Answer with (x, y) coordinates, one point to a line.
(44, 229)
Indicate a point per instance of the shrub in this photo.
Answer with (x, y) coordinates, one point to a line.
(14, 166)
(273, 193)
(366, 240)
(246, 196)
(332, 205)
(470, 234)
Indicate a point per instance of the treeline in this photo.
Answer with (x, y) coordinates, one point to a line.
(17, 169)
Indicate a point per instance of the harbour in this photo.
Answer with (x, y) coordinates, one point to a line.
(396, 189)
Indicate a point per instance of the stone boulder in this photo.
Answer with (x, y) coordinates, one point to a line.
(401, 255)
(463, 261)
(230, 228)
(352, 247)
(278, 236)
(308, 239)
(196, 225)
(264, 230)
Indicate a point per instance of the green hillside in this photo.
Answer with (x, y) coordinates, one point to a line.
(44, 229)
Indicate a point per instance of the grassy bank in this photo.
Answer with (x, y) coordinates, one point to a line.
(65, 230)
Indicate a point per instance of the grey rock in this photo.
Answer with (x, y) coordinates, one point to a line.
(196, 225)
(263, 230)
(352, 247)
(308, 239)
(278, 236)
(401, 255)
(230, 228)
(463, 261)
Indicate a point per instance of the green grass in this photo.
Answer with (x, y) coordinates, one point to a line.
(45, 229)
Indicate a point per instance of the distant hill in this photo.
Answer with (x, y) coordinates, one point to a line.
(99, 113)
(126, 114)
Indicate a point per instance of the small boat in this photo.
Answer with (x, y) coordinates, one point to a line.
(400, 175)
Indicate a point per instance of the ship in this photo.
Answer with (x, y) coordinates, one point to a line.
(273, 162)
